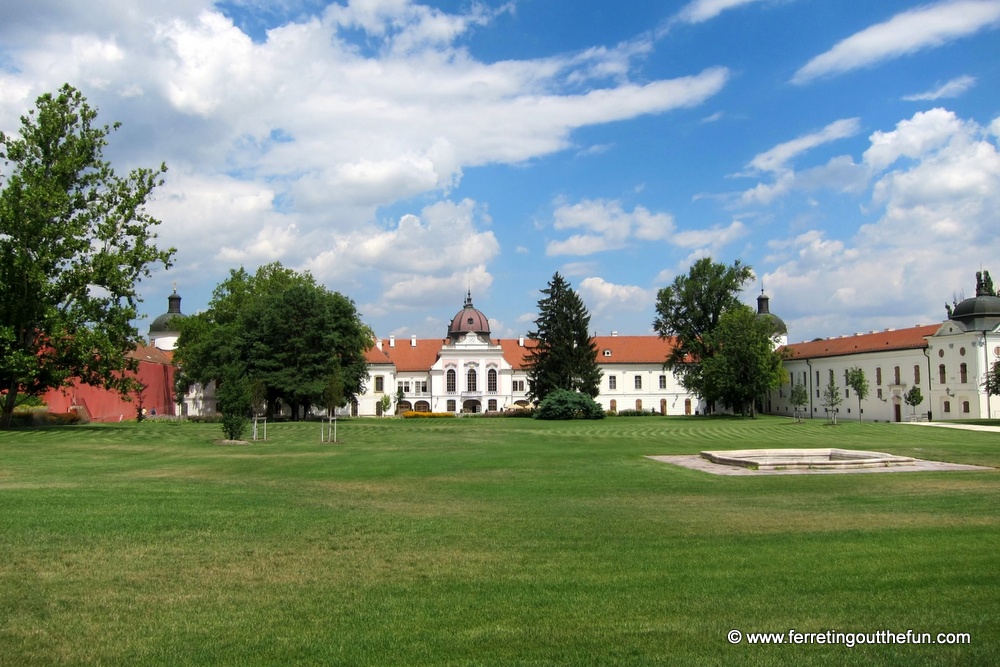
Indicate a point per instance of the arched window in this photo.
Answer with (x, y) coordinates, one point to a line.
(491, 383)
(878, 375)
(916, 374)
(947, 406)
(895, 375)
(470, 380)
(942, 376)
(963, 373)
(638, 402)
(663, 406)
(614, 405)
(965, 407)
(452, 383)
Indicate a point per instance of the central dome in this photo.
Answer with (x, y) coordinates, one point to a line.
(469, 320)
(982, 312)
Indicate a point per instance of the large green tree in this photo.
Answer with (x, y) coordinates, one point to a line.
(744, 367)
(565, 356)
(689, 310)
(75, 241)
(282, 330)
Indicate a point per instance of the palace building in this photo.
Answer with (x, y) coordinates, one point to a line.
(470, 371)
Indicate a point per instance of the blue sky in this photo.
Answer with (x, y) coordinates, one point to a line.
(404, 152)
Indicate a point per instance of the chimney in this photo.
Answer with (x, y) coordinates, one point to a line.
(614, 334)
(392, 341)
(378, 344)
(520, 341)
(413, 340)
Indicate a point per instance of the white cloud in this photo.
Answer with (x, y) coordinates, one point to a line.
(714, 238)
(934, 215)
(606, 226)
(700, 11)
(912, 138)
(775, 160)
(954, 88)
(607, 301)
(905, 33)
(285, 146)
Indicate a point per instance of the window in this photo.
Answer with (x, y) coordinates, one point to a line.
(663, 382)
(491, 383)
(879, 392)
(379, 383)
(963, 373)
(612, 382)
(947, 406)
(638, 382)
(451, 383)
(965, 407)
(895, 375)
(492, 405)
(422, 386)
(607, 353)
(518, 385)
(451, 404)
(638, 404)
(470, 380)
(614, 405)
(916, 374)
(942, 376)
(878, 375)
(817, 378)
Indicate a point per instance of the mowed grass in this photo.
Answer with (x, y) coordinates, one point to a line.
(487, 542)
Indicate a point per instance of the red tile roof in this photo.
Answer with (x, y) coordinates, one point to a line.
(420, 357)
(880, 341)
(633, 349)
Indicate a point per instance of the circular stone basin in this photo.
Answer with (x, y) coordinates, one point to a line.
(782, 459)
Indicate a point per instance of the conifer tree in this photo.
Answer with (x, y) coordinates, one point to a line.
(565, 356)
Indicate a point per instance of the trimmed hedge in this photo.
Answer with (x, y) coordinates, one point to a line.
(412, 414)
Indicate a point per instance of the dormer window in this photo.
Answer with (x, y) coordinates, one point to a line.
(607, 353)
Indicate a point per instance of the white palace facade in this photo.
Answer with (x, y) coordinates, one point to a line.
(470, 371)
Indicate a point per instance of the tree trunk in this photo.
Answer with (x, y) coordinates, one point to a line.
(8, 406)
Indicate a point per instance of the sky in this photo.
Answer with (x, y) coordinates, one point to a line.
(405, 152)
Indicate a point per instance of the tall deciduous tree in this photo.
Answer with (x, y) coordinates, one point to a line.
(857, 381)
(281, 329)
(689, 310)
(744, 367)
(75, 241)
(565, 356)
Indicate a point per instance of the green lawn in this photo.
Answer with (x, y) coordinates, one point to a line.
(487, 542)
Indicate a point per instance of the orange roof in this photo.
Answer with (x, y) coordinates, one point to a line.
(412, 358)
(880, 341)
(152, 354)
(633, 349)
(514, 352)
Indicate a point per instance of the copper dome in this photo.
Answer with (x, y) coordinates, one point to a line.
(469, 320)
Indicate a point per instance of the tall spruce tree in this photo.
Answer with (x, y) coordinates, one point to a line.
(565, 356)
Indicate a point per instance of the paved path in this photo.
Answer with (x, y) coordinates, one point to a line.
(966, 427)
(695, 462)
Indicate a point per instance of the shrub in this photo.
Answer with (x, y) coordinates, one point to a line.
(563, 404)
(638, 413)
(235, 404)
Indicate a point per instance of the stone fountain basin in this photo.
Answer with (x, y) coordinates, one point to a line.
(784, 459)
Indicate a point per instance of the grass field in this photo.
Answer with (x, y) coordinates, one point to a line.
(487, 542)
